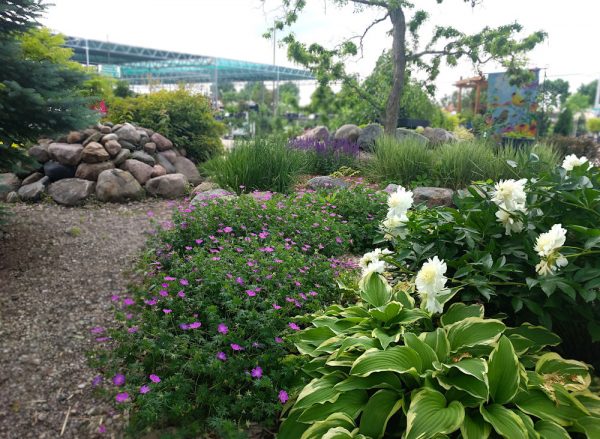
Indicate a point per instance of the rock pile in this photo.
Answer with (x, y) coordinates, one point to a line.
(117, 163)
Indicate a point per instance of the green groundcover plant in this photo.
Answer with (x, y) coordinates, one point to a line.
(529, 247)
(389, 368)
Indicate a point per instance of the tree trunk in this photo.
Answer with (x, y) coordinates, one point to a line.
(399, 58)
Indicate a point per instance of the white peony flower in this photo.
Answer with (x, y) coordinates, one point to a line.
(510, 223)
(572, 161)
(430, 278)
(510, 194)
(433, 305)
(550, 241)
(374, 267)
(551, 264)
(399, 202)
(373, 257)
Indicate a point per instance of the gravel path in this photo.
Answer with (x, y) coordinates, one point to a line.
(58, 268)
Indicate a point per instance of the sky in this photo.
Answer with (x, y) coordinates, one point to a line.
(234, 29)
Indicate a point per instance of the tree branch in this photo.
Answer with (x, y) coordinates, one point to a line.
(367, 97)
(362, 37)
(381, 4)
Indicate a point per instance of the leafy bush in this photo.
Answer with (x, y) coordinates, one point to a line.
(399, 162)
(385, 368)
(221, 284)
(493, 244)
(183, 117)
(580, 146)
(325, 157)
(460, 163)
(527, 161)
(258, 164)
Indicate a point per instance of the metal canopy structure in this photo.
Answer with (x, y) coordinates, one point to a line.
(141, 65)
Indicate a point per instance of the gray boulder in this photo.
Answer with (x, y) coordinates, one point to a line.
(188, 168)
(66, 153)
(205, 186)
(128, 133)
(167, 186)
(150, 147)
(109, 137)
(91, 171)
(33, 191)
(57, 171)
(112, 147)
(162, 143)
(95, 137)
(75, 137)
(347, 132)
(165, 163)
(8, 183)
(406, 134)
(128, 145)
(368, 136)
(116, 127)
(170, 155)
(71, 191)
(433, 196)
(325, 182)
(105, 129)
(317, 133)
(141, 171)
(143, 157)
(116, 185)
(94, 152)
(32, 178)
(157, 171)
(437, 136)
(39, 152)
(211, 195)
(122, 155)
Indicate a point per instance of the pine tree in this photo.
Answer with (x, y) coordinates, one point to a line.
(564, 124)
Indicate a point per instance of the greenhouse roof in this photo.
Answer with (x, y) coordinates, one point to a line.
(140, 65)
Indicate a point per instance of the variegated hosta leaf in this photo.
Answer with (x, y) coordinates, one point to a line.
(473, 331)
(528, 338)
(504, 421)
(375, 290)
(590, 401)
(551, 430)
(428, 415)
(386, 312)
(357, 344)
(474, 426)
(338, 433)
(319, 391)
(468, 375)
(426, 352)
(528, 423)
(459, 311)
(377, 380)
(378, 411)
(350, 403)
(537, 403)
(399, 359)
(572, 374)
(438, 341)
(504, 372)
(589, 425)
(320, 428)
(384, 338)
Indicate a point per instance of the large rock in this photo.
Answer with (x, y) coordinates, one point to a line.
(167, 186)
(94, 153)
(406, 134)
(57, 171)
(33, 191)
(123, 155)
(91, 171)
(96, 136)
(75, 137)
(433, 196)
(109, 137)
(165, 163)
(150, 147)
(368, 136)
(347, 132)
(112, 147)
(116, 185)
(141, 171)
(162, 143)
(32, 178)
(128, 133)
(437, 136)
(71, 191)
(211, 195)
(158, 171)
(39, 152)
(317, 133)
(325, 182)
(170, 155)
(143, 157)
(66, 153)
(105, 129)
(205, 186)
(128, 145)
(188, 168)
(8, 183)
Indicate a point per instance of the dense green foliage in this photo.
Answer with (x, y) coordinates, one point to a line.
(564, 124)
(386, 368)
(180, 115)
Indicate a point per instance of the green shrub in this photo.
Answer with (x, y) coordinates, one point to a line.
(527, 161)
(265, 164)
(575, 145)
(460, 163)
(386, 368)
(399, 161)
(183, 117)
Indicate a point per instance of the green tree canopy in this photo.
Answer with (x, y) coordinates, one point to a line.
(589, 90)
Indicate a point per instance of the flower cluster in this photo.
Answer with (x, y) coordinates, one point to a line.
(572, 161)
(547, 247)
(399, 202)
(431, 284)
(510, 197)
(371, 262)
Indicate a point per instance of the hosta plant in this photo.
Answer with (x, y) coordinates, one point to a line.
(387, 367)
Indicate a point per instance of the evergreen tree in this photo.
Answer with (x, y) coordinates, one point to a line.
(564, 125)
(38, 96)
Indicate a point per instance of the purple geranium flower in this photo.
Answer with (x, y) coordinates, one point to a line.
(154, 378)
(222, 356)
(256, 372)
(144, 389)
(293, 326)
(122, 397)
(118, 379)
(223, 329)
(283, 396)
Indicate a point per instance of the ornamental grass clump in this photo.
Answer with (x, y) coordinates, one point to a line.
(398, 366)
(327, 156)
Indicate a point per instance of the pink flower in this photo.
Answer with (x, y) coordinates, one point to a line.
(184, 282)
(283, 396)
(118, 379)
(150, 214)
(181, 294)
(275, 306)
(144, 389)
(169, 278)
(97, 380)
(122, 397)
(184, 326)
(256, 372)
(194, 325)
(223, 329)
(278, 340)
(101, 428)
(251, 293)
(236, 347)
(163, 293)
(97, 330)
(227, 230)
(199, 241)
(154, 378)
(114, 297)
(293, 326)
(128, 302)
(133, 330)
(221, 356)
(239, 280)
(167, 311)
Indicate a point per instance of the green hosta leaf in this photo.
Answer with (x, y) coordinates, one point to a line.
(387, 312)
(503, 372)
(474, 331)
(438, 341)
(429, 416)
(291, 428)
(427, 354)
(528, 423)
(380, 408)
(350, 403)
(338, 433)
(378, 380)
(384, 338)
(574, 374)
(504, 421)
(375, 290)
(405, 299)
(537, 403)
(344, 359)
(468, 375)
(589, 425)
(590, 401)
(399, 359)
(459, 311)
(529, 338)
(474, 426)
(407, 316)
(551, 430)
(364, 343)
(319, 391)
(320, 429)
